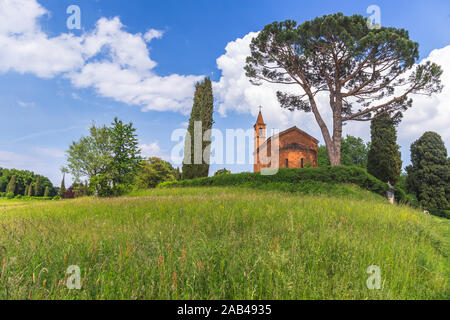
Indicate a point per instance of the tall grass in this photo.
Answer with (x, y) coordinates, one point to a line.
(222, 243)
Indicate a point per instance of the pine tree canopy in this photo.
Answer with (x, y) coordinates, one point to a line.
(364, 71)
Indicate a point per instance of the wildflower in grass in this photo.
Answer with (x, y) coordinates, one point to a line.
(160, 261)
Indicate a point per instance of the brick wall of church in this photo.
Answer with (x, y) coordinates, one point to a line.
(295, 158)
(289, 150)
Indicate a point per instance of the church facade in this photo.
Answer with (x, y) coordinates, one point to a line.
(297, 149)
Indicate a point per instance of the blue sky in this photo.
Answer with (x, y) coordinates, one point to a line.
(43, 113)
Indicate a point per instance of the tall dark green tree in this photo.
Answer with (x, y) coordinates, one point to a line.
(384, 158)
(62, 189)
(30, 190)
(36, 186)
(11, 188)
(355, 65)
(46, 192)
(197, 151)
(429, 175)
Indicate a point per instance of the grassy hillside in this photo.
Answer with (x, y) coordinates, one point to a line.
(308, 180)
(222, 243)
(11, 203)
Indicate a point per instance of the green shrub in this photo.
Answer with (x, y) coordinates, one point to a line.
(222, 171)
(446, 213)
(439, 213)
(10, 195)
(337, 174)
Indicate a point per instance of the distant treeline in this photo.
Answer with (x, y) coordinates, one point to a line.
(24, 179)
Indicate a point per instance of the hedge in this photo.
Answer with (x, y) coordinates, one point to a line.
(336, 174)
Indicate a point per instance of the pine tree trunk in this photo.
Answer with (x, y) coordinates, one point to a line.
(333, 144)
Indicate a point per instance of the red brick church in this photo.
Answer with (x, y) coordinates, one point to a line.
(296, 148)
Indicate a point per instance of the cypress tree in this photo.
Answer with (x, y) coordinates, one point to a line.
(25, 193)
(46, 192)
(429, 175)
(202, 111)
(62, 190)
(30, 189)
(384, 158)
(36, 186)
(11, 188)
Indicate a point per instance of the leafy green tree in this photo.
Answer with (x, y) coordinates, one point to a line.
(12, 185)
(429, 175)
(36, 186)
(126, 154)
(80, 190)
(90, 155)
(324, 159)
(197, 158)
(222, 172)
(341, 56)
(353, 153)
(384, 159)
(109, 158)
(155, 171)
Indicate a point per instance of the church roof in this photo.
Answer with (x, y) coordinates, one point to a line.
(288, 131)
(260, 119)
(294, 128)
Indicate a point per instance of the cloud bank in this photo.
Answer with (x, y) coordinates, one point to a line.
(114, 62)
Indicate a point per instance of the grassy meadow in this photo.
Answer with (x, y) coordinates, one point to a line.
(222, 243)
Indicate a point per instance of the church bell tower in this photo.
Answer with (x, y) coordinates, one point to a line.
(260, 138)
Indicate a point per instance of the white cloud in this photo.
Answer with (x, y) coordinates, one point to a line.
(25, 104)
(152, 150)
(114, 62)
(236, 94)
(19, 16)
(14, 160)
(430, 113)
(49, 152)
(44, 133)
(153, 34)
